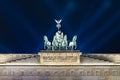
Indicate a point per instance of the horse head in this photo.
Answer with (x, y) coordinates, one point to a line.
(74, 38)
(45, 38)
(65, 37)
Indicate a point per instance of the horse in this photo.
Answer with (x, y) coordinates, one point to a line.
(47, 43)
(65, 42)
(54, 43)
(72, 44)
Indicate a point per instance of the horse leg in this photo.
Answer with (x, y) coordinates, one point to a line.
(59, 47)
(66, 47)
(48, 47)
(52, 48)
(72, 48)
(44, 46)
(75, 47)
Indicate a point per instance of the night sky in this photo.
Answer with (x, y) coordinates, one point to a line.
(23, 23)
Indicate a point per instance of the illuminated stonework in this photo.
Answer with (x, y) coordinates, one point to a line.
(60, 41)
(60, 57)
(59, 62)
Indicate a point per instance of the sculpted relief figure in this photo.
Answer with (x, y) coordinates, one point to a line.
(73, 44)
(65, 43)
(60, 41)
(47, 43)
(58, 23)
(57, 40)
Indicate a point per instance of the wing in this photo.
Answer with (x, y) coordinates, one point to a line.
(58, 21)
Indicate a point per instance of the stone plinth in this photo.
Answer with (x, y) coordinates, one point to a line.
(60, 57)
